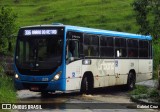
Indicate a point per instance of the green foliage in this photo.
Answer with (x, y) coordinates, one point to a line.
(139, 90)
(153, 92)
(7, 91)
(141, 9)
(148, 16)
(156, 53)
(103, 14)
(1, 69)
(142, 92)
(156, 23)
(7, 28)
(3, 45)
(156, 56)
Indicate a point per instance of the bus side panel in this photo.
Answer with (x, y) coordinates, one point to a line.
(102, 70)
(107, 72)
(145, 69)
(99, 71)
(121, 71)
(73, 75)
(108, 68)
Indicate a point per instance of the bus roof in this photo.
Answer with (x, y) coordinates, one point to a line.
(97, 31)
(107, 32)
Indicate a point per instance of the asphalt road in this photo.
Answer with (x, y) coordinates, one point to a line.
(111, 99)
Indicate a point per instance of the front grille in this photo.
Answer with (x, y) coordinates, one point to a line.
(36, 72)
(40, 86)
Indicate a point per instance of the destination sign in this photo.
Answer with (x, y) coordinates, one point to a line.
(40, 32)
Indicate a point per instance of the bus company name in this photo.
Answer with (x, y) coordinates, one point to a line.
(106, 66)
(40, 32)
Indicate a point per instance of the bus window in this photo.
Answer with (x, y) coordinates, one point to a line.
(143, 48)
(132, 48)
(72, 50)
(91, 43)
(150, 50)
(74, 44)
(106, 46)
(120, 47)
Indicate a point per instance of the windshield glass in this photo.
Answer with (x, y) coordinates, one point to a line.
(39, 55)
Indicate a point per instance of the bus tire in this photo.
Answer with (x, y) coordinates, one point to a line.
(44, 94)
(85, 86)
(131, 81)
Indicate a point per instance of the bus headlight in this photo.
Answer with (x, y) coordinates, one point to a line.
(57, 76)
(16, 76)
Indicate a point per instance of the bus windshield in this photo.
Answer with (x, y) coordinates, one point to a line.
(39, 55)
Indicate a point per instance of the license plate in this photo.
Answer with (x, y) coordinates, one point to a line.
(34, 88)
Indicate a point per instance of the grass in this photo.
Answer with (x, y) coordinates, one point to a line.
(142, 92)
(7, 92)
(139, 90)
(103, 14)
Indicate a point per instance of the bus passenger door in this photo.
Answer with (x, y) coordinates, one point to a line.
(73, 64)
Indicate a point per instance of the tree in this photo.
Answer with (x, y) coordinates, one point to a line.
(156, 22)
(141, 10)
(16, 1)
(7, 28)
(144, 10)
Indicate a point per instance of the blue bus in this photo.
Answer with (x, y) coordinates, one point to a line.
(51, 58)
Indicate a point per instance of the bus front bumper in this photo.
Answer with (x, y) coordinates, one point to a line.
(51, 86)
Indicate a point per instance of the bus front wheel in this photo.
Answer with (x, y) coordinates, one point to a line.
(85, 85)
(131, 81)
(44, 94)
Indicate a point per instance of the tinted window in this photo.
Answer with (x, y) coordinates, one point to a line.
(38, 56)
(120, 47)
(143, 48)
(132, 43)
(75, 39)
(106, 46)
(91, 43)
(150, 49)
(132, 48)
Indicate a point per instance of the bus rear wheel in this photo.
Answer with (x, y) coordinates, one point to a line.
(131, 81)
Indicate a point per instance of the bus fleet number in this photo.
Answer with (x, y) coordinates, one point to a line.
(106, 66)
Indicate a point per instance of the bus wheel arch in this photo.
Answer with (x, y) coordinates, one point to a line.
(87, 83)
(131, 80)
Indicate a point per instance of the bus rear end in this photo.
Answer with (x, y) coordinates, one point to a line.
(38, 60)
